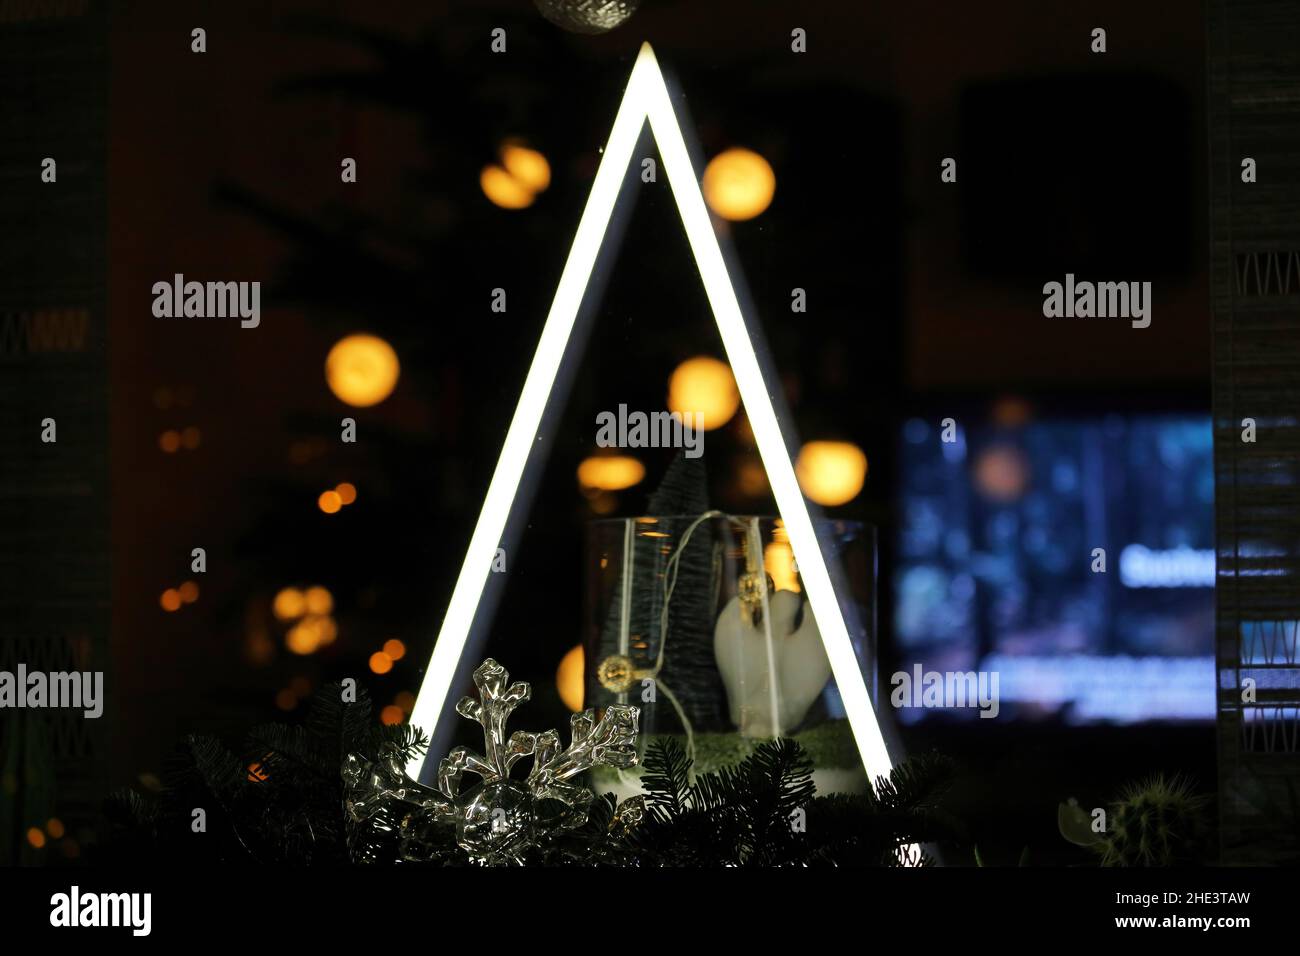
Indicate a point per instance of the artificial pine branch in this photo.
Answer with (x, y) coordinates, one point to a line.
(779, 782)
(283, 803)
(409, 742)
(921, 781)
(203, 775)
(341, 726)
(666, 779)
(745, 815)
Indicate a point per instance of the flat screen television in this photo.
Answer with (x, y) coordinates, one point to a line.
(1071, 556)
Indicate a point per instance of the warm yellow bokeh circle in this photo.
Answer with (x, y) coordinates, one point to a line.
(516, 182)
(706, 386)
(831, 472)
(610, 472)
(362, 370)
(569, 679)
(738, 184)
(529, 167)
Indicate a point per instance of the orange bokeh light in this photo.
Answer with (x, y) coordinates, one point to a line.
(738, 184)
(610, 472)
(831, 472)
(288, 604)
(569, 678)
(302, 639)
(705, 387)
(318, 600)
(362, 370)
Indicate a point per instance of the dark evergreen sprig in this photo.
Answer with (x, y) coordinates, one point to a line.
(764, 812)
(282, 802)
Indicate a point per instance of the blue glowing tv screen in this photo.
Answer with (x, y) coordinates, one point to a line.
(1073, 557)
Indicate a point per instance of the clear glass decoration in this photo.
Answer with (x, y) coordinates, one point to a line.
(702, 622)
(499, 821)
(587, 16)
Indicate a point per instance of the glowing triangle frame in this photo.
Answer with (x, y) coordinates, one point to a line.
(647, 98)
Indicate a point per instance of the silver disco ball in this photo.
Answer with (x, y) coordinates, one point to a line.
(587, 16)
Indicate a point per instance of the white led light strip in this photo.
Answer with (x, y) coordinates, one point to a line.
(647, 97)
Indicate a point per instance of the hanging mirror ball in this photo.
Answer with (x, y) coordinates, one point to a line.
(587, 16)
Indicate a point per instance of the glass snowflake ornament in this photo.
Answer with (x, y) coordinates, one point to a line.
(497, 820)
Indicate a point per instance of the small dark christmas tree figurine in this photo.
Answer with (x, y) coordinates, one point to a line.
(498, 821)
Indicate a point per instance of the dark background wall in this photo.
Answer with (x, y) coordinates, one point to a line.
(54, 512)
(219, 166)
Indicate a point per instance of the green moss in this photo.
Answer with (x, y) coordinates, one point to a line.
(829, 744)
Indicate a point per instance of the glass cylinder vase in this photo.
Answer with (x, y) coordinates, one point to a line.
(703, 623)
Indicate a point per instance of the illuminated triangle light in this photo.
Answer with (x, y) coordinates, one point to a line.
(647, 97)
